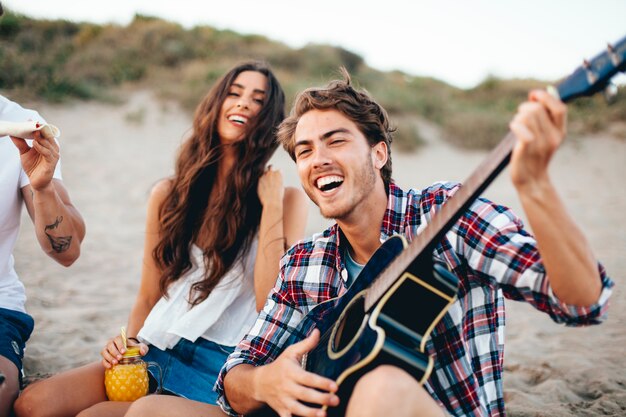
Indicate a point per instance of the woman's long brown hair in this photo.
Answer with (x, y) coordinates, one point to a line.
(232, 219)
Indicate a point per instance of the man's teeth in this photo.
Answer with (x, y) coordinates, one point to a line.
(238, 119)
(331, 181)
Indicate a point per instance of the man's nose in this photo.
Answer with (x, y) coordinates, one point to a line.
(321, 157)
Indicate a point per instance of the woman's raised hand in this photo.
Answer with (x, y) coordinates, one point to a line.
(270, 189)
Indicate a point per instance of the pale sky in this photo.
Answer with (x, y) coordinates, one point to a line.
(460, 42)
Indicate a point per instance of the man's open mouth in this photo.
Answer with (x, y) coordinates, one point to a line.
(329, 182)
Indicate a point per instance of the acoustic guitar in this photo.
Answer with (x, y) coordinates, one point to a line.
(388, 313)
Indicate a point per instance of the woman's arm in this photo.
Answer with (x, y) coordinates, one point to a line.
(282, 224)
(149, 292)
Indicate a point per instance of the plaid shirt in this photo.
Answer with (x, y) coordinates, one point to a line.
(489, 251)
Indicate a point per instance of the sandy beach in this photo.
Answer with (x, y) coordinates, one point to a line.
(113, 153)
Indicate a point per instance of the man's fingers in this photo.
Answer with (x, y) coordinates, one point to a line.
(527, 114)
(43, 150)
(533, 121)
(556, 108)
(47, 142)
(521, 131)
(20, 144)
(549, 129)
(311, 380)
(299, 409)
(307, 344)
(314, 396)
(50, 144)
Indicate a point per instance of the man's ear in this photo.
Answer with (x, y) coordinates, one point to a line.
(380, 155)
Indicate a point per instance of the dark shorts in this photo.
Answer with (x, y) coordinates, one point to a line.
(15, 329)
(190, 369)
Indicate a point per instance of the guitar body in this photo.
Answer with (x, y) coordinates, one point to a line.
(394, 332)
(355, 341)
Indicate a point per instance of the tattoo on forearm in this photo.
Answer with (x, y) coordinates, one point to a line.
(59, 243)
(55, 224)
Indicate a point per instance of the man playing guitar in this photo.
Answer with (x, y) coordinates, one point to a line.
(340, 140)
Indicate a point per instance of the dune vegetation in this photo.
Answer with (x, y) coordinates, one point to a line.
(57, 60)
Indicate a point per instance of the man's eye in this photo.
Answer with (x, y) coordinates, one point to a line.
(302, 152)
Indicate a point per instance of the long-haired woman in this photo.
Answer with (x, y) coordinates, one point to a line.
(215, 233)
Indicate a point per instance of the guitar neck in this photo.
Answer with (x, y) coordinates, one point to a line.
(591, 77)
(453, 208)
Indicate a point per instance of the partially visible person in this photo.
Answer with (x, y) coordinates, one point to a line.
(215, 232)
(340, 139)
(30, 175)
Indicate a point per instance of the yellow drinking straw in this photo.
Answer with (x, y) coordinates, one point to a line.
(123, 334)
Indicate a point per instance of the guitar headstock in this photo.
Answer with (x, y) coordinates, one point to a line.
(594, 75)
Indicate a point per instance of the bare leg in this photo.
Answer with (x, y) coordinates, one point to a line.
(387, 385)
(63, 395)
(106, 409)
(10, 387)
(170, 406)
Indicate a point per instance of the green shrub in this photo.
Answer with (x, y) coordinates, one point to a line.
(56, 59)
(406, 136)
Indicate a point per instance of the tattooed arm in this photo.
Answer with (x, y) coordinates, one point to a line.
(59, 226)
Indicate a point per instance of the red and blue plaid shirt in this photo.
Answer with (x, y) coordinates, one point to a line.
(489, 251)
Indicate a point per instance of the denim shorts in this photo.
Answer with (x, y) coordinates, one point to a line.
(190, 369)
(15, 329)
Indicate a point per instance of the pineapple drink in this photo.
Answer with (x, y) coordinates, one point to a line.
(128, 380)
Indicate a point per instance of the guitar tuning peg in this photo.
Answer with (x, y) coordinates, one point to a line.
(613, 55)
(591, 76)
(610, 92)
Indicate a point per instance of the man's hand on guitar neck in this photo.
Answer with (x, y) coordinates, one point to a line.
(571, 268)
(540, 127)
(283, 384)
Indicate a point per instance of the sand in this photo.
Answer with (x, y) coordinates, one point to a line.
(113, 153)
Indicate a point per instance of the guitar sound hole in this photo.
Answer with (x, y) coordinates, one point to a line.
(349, 324)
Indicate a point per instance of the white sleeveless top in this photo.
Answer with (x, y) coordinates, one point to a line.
(224, 317)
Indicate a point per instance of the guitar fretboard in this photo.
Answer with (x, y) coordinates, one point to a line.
(586, 80)
(451, 210)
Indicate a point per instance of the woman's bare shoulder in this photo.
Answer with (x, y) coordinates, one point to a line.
(160, 191)
(162, 188)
